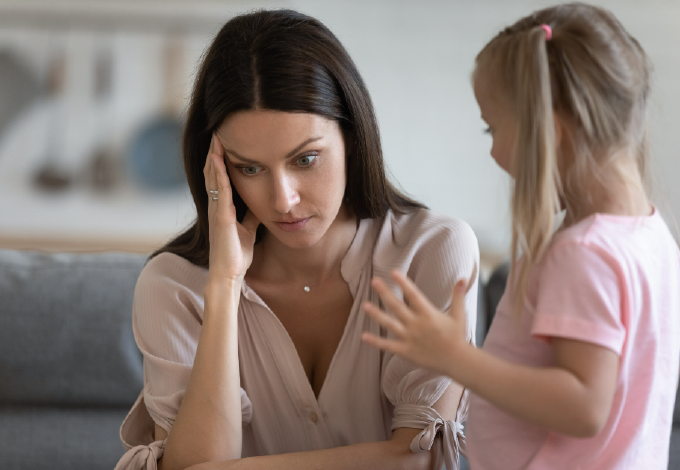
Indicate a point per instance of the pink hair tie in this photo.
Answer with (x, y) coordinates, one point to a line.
(548, 32)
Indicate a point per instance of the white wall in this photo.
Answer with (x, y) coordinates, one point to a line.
(417, 57)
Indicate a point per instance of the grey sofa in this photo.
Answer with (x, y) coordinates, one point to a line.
(69, 366)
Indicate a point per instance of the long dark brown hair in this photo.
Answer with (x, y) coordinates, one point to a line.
(282, 60)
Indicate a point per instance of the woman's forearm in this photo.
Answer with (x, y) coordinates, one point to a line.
(208, 424)
(392, 454)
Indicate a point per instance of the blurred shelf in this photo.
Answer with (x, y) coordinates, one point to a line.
(490, 260)
(79, 245)
(144, 16)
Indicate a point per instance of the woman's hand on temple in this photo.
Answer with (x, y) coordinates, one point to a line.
(231, 242)
(422, 333)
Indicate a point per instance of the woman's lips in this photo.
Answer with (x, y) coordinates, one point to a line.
(293, 226)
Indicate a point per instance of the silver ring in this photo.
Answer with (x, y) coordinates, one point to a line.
(213, 198)
(214, 193)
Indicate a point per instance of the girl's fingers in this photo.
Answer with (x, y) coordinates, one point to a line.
(416, 299)
(392, 302)
(390, 345)
(385, 320)
(458, 300)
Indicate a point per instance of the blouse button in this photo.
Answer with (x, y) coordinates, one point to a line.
(313, 417)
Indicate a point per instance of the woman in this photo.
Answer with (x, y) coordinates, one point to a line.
(292, 146)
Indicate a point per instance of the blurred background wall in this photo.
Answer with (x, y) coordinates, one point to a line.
(92, 95)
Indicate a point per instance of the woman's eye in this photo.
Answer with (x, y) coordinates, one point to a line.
(250, 170)
(306, 160)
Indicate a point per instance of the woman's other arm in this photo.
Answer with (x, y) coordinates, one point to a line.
(392, 454)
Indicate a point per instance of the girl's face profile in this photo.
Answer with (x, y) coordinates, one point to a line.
(500, 120)
(289, 169)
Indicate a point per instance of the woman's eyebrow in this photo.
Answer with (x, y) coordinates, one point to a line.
(302, 145)
(243, 159)
(290, 154)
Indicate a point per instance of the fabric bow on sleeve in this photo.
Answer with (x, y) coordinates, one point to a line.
(142, 457)
(426, 417)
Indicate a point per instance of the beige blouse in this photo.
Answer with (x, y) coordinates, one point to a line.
(366, 394)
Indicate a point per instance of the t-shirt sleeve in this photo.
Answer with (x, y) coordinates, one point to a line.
(167, 318)
(579, 297)
(442, 253)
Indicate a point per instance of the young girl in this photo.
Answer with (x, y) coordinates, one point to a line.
(580, 367)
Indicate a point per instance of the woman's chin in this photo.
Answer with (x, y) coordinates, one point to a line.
(305, 237)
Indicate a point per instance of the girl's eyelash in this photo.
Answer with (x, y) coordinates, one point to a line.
(487, 130)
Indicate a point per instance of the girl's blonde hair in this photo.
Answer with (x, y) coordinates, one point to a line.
(595, 77)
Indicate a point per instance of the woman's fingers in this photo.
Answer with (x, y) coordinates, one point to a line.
(208, 172)
(221, 178)
(217, 186)
(385, 320)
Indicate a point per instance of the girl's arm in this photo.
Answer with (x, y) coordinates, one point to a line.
(573, 397)
(208, 424)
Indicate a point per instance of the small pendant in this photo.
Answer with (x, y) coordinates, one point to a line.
(307, 289)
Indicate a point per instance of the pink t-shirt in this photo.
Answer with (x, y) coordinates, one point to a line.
(609, 280)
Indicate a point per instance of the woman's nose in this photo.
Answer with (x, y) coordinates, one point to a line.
(285, 194)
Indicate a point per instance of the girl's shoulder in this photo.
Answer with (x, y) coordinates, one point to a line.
(608, 230)
(619, 242)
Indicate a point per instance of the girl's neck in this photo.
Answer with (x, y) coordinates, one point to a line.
(621, 193)
(277, 262)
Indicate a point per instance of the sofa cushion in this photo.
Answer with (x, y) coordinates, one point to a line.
(65, 328)
(36, 437)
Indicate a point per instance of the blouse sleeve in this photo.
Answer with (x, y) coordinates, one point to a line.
(435, 253)
(167, 316)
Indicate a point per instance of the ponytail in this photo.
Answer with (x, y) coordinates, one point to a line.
(535, 199)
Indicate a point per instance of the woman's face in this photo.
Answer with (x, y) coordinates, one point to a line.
(289, 169)
(501, 121)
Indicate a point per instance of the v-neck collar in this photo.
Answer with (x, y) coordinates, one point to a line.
(358, 254)
(356, 257)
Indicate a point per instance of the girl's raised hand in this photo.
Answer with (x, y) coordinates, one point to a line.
(422, 333)
(231, 243)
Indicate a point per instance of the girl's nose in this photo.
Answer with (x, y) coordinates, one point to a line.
(285, 194)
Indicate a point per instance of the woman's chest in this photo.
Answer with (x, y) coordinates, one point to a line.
(314, 322)
(321, 397)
